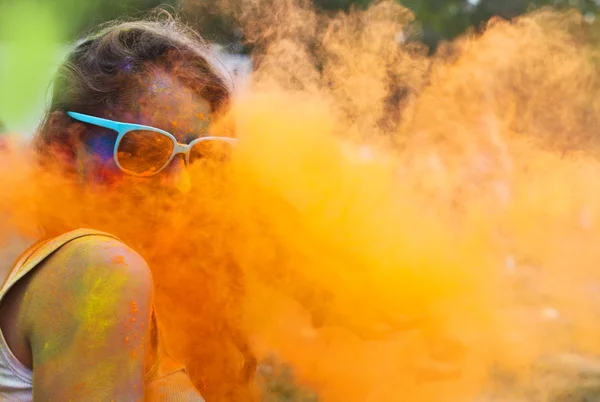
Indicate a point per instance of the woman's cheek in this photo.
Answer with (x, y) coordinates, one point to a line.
(108, 173)
(102, 168)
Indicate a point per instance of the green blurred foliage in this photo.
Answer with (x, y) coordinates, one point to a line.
(438, 20)
(79, 16)
(32, 35)
(446, 19)
(335, 5)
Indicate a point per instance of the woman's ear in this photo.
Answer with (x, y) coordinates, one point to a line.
(58, 122)
(70, 130)
(64, 138)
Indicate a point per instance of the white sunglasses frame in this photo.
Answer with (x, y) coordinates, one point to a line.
(124, 128)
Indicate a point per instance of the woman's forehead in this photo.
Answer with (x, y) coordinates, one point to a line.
(165, 102)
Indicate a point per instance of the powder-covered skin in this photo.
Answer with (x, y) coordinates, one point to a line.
(83, 331)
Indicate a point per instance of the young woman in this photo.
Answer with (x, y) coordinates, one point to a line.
(131, 107)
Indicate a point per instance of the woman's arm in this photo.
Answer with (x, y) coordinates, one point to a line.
(87, 317)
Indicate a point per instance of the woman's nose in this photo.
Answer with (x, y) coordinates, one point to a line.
(177, 176)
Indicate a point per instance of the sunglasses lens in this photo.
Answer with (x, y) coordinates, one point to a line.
(211, 151)
(144, 152)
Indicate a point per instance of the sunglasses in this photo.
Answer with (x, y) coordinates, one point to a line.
(145, 151)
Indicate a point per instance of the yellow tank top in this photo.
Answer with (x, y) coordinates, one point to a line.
(166, 380)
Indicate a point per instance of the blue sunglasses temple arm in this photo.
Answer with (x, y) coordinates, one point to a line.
(97, 121)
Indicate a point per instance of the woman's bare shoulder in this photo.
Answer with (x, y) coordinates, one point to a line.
(89, 268)
(89, 303)
(99, 255)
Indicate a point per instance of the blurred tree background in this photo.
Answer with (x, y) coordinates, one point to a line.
(439, 19)
(33, 32)
(446, 19)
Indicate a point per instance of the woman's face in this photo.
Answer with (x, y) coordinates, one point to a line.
(163, 102)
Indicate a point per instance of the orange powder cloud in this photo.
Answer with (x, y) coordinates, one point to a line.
(374, 184)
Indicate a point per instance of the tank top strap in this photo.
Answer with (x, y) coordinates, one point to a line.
(42, 250)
